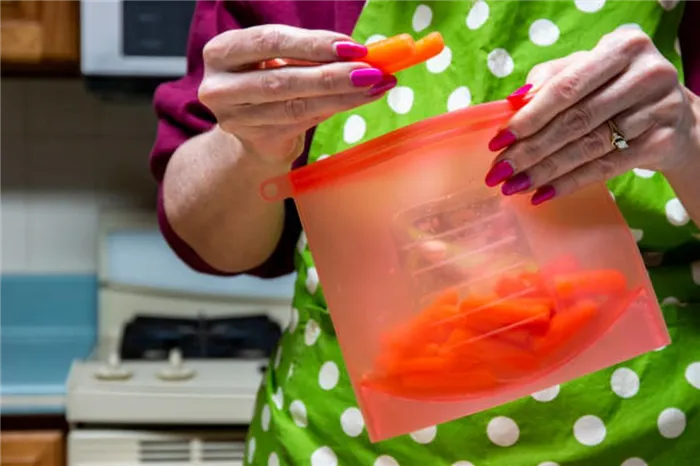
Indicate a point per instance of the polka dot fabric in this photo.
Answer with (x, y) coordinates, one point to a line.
(642, 412)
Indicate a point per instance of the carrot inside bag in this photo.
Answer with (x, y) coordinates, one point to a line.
(461, 346)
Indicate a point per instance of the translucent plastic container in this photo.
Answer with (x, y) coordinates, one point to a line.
(449, 298)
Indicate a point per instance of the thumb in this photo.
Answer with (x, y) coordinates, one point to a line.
(541, 73)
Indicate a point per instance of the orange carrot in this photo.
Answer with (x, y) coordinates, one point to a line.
(425, 49)
(388, 51)
(487, 315)
(589, 283)
(565, 325)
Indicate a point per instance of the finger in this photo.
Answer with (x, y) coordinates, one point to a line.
(239, 48)
(539, 74)
(299, 82)
(598, 170)
(577, 81)
(298, 110)
(638, 86)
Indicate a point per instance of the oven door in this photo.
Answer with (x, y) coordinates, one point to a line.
(135, 38)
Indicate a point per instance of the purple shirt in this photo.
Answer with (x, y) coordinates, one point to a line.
(181, 115)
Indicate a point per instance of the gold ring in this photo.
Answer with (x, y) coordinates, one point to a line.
(617, 137)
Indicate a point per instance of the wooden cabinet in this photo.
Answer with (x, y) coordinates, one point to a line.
(40, 32)
(27, 448)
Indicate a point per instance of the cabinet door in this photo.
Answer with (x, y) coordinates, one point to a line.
(27, 448)
(39, 31)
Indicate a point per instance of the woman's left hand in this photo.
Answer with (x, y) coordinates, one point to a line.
(564, 138)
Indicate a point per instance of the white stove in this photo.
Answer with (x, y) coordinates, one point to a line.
(179, 356)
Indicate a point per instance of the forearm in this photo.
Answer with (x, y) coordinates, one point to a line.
(685, 179)
(210, 193)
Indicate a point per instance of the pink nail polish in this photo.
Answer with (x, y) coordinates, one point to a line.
(366, 77)
(387, 83)
(543, 194)
(521, 92)
(516, 184)
(349, 50)
(503, 139)
(499, 173)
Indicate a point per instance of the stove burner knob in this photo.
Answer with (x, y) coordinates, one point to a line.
(176, 369)
(113, 370)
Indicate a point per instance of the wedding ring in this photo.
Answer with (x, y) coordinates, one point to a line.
(617, 137)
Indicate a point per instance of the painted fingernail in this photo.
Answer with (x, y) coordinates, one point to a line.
(366, 77)
(520, 93)
(349, 50)
(388, 82)
(543, 194)
(519, 183)
(499, 173)
(504, 138)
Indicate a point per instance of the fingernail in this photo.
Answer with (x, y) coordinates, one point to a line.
(543, 194)
(387, 83)
(520, 93)
(503, 139)
(520, 182)
(499, 173)
(366, 77)
(349, 49)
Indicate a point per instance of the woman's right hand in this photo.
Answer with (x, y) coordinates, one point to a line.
(270, 110)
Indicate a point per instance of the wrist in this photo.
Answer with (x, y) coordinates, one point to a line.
(247, 159)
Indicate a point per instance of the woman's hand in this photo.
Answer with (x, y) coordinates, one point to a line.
(269, 110)
(562, 139)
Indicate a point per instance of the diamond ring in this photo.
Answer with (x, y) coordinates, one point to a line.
(617, 137)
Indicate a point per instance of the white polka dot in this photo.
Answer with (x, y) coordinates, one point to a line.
(478, 15)
(500, 63)
(311, 332)
(324, 456)
(354, 130)
(660, 349)
(374, 38)
(265, 418)
(328, 375)
(548, 394)
(548, 463)
(633, 462)
(311, 280)
(278, 398)
(589, 6)
(273, 460)
(692, 374)
(400, 99)
(440, 62)
(503, 431)
(278, 357)
(290, 371)
(624, 382)
(643, 172)
(671, 423)
(352, 422)
(460, 98)
(293, 320)
(301, 243)
(386, 460)
(668, 5)
(612, 194)
(672, 300)
(677, 46)
(463, 463)
(695, 272)
(630, 26)
(589, 430)
(422, 18)
(298, 411)
(424, 436)
(251, 449)
(637, 233)
(543, 32)
(321, 157)
(676, 213)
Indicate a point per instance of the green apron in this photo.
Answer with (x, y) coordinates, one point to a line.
(643, 412)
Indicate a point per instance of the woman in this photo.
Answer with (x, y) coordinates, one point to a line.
(610, 106)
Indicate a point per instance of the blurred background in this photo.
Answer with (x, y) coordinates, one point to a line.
(112, 351)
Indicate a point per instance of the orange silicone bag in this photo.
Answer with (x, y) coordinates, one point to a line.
(449, 298)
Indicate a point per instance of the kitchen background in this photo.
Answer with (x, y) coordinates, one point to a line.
(88, 286)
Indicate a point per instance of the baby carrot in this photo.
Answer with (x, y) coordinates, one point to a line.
(565, 325)
(388, 51)
(425, 49)
(589, 283)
